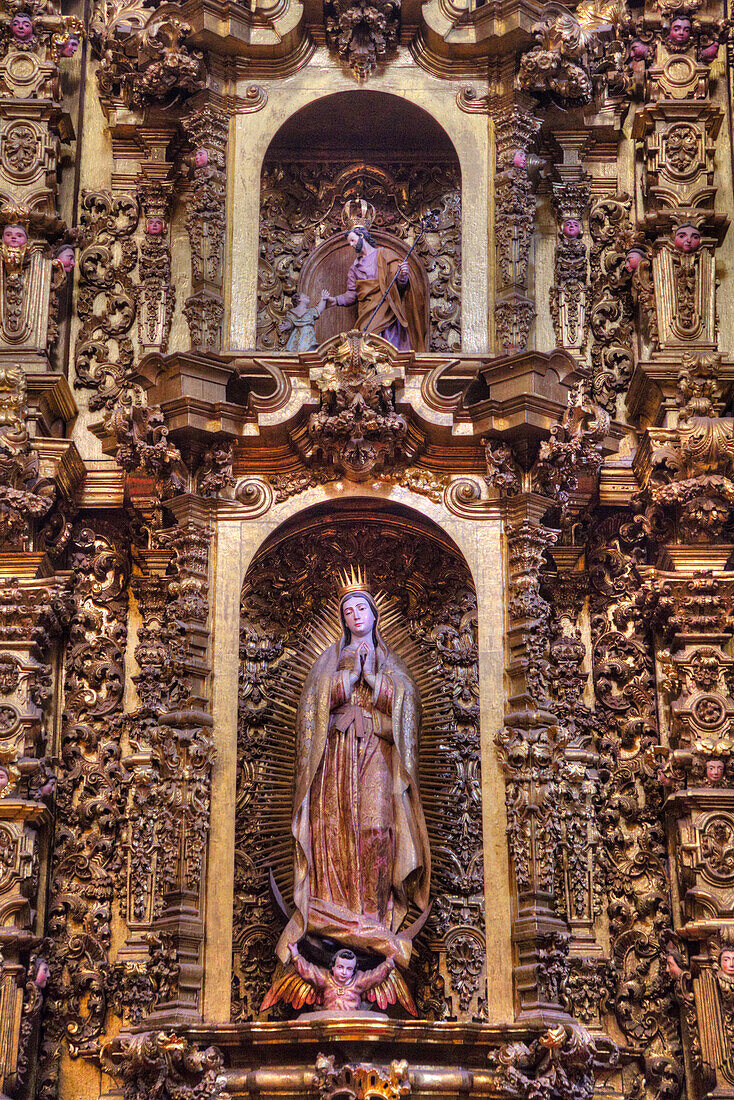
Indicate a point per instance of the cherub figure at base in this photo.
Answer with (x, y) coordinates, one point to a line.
(300, 322)
(341, 988)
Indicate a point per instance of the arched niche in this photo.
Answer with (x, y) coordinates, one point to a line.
(348, 145)
(289, 585)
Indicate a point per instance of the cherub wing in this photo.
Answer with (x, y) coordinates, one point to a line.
(288, 985)
(392, 990)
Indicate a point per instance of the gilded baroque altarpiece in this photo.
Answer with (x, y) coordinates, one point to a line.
(366, 418)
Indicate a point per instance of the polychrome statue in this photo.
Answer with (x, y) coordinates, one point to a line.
(361, 845)
(388, 302)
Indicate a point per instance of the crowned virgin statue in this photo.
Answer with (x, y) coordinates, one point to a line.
(361, 845)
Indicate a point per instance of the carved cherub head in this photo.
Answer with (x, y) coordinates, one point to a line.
(65, 254)
(71, 45)
(154, 226)
(687, 238)
(520, 158)
(726, 961)
(715, 768)
(201, 158)
(14, 236)
(343, 965)
(42, 973)
(680, 31)
(639, 50)
(571, 228)
(21, 27)
(634, 258)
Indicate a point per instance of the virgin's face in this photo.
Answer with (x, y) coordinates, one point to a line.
(359, 616)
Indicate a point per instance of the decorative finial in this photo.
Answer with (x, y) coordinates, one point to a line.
(351, 581)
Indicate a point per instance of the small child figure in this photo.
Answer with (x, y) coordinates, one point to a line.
(342, 988)
(301, 319)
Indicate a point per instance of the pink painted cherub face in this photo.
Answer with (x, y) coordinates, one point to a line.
(201, 158)
(634, 259)
(4, 778)
(671, 965)
(22, 27)
(71, 46)
(714, 770)
(520, 159)
(680, 31)
(639, 50)
(42, 974)
(68, 260)
(343, 969)
(154, 227)
(14, 236)
(687, 238)
(359, 616)
(571, 228)
(726, 961)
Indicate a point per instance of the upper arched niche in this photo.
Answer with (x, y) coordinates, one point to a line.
(334, 150)
(362, 125)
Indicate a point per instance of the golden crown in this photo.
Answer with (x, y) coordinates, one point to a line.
(357, 212)
(352, 580)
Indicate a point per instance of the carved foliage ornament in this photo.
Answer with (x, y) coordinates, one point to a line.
(362, 31)
(144, 53)
(163, 1066)
(87, 853)
(357, 428)
(558, 65)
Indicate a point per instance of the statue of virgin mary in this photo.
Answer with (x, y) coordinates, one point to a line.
(361, 845)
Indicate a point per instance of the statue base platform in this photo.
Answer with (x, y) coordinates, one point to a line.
(327, 1015)
(282, 1058)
